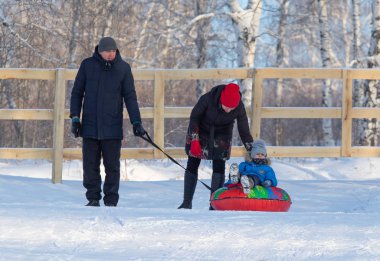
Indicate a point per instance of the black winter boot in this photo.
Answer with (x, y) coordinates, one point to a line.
(217, 181)
(186, 204)
(93, 203)
(190, 183)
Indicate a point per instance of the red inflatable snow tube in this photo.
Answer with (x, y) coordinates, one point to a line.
(259, 199)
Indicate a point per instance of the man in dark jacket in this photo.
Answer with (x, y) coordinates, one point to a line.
(103, 82)
(210, 135)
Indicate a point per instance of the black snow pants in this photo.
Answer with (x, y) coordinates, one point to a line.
(93, 150)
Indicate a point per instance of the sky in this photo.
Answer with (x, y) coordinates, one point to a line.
(335, 215)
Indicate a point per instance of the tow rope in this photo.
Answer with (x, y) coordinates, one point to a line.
(150, 141)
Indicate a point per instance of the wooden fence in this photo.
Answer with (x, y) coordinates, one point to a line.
(159, 112)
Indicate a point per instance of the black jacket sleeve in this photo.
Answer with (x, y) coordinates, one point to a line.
(77, 92)
(130, 97)
(197, 114)
(243, 128)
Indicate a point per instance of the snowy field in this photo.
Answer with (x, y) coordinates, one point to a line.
(335, 215)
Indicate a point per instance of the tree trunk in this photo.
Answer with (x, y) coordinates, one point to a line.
(358, 86)
(143, 36)
(326, 55)
(246, 22)
(370, 127)
(280, 62)
(74, 33)
(201, 43)
(109, 9)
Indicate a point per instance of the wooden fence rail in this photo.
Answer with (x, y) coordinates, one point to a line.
(159, 112)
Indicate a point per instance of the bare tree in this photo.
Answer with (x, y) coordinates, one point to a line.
(369, 93)
(246, 22)
(143, 37)
(327, 55)
(358, 86)
(77, 6)
(201, 42)
(281, 61)
(371, 88)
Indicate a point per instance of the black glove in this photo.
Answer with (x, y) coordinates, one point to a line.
(138, 129)
(76, 127)
(248, 146)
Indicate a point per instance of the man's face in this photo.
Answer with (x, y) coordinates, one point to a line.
(108, 55)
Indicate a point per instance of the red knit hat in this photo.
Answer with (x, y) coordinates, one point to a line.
(230, 96)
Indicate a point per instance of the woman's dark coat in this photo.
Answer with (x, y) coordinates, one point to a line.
(101, 87)
(215, 126)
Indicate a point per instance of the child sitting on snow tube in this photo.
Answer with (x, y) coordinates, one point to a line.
(259, 183)
(256, 172)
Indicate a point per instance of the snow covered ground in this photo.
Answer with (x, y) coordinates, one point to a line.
(335, 215)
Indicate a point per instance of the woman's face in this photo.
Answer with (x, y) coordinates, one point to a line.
(227, 109)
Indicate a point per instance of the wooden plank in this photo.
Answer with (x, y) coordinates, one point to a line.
(70, 74)
(138, 74)
(303, 151)
(145, 153)
(58, 128)
(178, 152)
(300, 112)
(182, 74)
(136, 153)
(303, 73)
(346, 115)
(159, 120)
(26, 114)
(177, 112)
(27, 74)
(126, 153)
(26, 153)
(366, 74)
(72, 153)
(365, 152)
(365, 113)
(146, 113)
(195, 74)
(238, 151)
(144, 74)
(178, 74)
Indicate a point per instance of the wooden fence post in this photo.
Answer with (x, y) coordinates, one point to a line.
(158, 114)
(257, 96)
(58, 128)
(346, 147)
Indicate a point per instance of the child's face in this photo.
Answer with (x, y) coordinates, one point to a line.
(259, 156)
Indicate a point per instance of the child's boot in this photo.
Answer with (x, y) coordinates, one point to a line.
(246, 183)
(234, 173)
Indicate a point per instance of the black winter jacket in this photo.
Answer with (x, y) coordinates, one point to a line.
(101, 87)
(215, 126)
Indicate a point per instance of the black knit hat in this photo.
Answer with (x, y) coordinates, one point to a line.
(106, 44)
